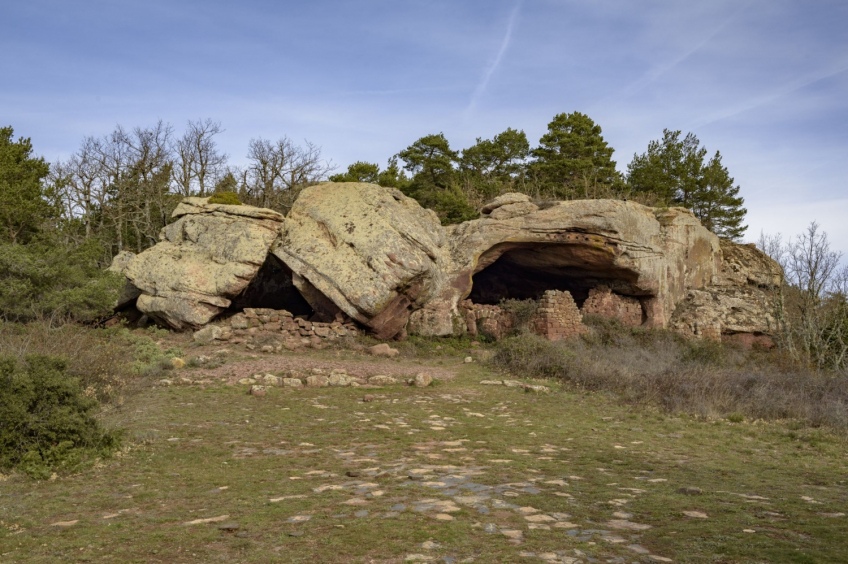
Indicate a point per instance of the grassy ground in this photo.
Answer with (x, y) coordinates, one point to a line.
(455, 472)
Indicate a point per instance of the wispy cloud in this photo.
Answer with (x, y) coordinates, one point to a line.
(490, 70)
(773, 95)
(664, 68)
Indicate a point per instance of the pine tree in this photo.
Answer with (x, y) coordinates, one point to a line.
(673, 171)
(573, 159)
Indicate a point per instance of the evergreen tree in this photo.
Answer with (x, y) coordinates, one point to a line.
(717, 203)
(492, 167)
(573, 160)
(359, 171)
(435, 182)
(23, 201)
(673, 171)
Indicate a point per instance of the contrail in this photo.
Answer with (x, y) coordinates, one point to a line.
(784, 90)
(484, 83)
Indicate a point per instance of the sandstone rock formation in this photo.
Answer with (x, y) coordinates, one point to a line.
(375, 255)
(203, 260)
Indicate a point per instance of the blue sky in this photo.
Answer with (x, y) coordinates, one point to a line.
(763, 81)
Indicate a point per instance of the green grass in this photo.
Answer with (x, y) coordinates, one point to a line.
(200, 452)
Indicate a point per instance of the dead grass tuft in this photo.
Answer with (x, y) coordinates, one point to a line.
(706, 379)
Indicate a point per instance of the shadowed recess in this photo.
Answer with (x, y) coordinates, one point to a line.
(272, 288)
(526, 270)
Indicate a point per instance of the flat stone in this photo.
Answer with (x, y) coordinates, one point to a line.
(443, 517)
(690, 490)
(539, 518)
(217, 519)
(696, 514)
(622, 524)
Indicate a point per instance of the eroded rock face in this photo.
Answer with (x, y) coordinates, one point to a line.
(740, 299)
(653, 256)
(378, 257)
(202, 261)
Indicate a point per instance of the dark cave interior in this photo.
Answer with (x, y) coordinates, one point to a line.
(272, 287)
(526, 270)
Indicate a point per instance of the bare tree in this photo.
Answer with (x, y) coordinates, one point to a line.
(277, 172)
(812, 307)
(197, 163)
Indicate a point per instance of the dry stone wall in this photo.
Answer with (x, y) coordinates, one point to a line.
(271, 330)
(604, 303)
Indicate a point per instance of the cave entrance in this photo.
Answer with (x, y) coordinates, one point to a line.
(273, 288)
(526, 270)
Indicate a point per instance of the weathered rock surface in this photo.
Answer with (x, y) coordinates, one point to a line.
(129, 293)
(652, 255)
(378, 257)
(740, 299)
(372, 251)
(203, 260)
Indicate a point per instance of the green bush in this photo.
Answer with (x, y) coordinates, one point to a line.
(227, 198)
(52, 280)
(47, 423)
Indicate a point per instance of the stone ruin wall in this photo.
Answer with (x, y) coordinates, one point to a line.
(604, 303)
(271, 330)
(557, 317)
(487, 320)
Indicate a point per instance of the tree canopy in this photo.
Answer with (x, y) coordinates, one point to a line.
(674, 172)
(23, 202)
(573, 160)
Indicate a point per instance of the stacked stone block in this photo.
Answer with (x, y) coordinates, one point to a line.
(604, 303)
(557, 317)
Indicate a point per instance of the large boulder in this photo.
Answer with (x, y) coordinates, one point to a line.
(374, 253)
(129, 293)
(203, 260)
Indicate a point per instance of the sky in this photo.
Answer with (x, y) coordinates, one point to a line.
(765, 82)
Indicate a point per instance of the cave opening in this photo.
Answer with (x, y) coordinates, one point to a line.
(524, 271)
(273, 288)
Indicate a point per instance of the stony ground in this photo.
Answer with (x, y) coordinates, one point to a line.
(459, 471)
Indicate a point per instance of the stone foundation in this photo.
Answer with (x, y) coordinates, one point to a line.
(604, 303)
(557, 317)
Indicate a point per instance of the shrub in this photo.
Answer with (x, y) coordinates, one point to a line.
(98, 358)
(521, 311)
(702, 378)
(47, 424)
(227, 198)
(530, 355)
